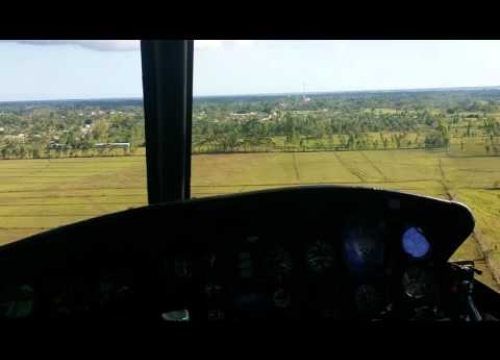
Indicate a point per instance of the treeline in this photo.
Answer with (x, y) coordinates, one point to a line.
(448, 101)
(340, 121)
(322, 130)
(68, 130)
(36, 151)
(404, 119)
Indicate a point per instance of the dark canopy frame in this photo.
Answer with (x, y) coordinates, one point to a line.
(167, 74)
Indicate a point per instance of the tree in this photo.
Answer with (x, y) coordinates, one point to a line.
(5, 153)
(100, 131)
(435, 139)
(469, 128)
(443, 128)
(386, 143)
(22, 151)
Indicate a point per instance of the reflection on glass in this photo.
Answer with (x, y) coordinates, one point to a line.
(176, 316)
(415, 243)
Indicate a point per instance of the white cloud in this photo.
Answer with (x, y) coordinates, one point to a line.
(110, 45)
(100, 45)
(131, 45)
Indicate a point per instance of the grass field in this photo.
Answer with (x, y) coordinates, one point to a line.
(39, 194)
(36, 195)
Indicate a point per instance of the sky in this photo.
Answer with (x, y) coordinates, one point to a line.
(82, 69)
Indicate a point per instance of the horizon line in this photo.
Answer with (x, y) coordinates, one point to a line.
(455, 88)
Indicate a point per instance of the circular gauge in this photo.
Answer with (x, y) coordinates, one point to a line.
(71, 298)
(116, 289)
(416, 282)
(281, 298)
(17, 302)
(415, 243)
(363, 250)
(368, 299)
(216, 315)
(320, 257)
(113, 293)
(212, 290)
(280, 262)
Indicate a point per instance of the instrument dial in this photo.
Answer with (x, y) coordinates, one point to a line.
(320, 257)
(416, 283)
(280, 263)
(415, 243)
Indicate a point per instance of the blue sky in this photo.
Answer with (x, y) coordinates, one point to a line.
(33, 70)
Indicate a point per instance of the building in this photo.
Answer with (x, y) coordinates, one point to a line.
(112, 145)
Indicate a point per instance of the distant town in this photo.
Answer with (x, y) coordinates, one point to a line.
(288, 122)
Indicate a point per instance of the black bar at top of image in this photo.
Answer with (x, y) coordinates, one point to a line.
(167, 68)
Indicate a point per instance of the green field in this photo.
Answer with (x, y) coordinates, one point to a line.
(39, 194)
(36, 195)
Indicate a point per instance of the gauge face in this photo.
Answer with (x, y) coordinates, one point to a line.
(112, 293)
(280, 262)
(416, 283)
(363, 250)
(70, 297)
(115, 287)
(212, 290)
(281, 298)
(216, 315)
(17, 303)
(415, 243)
(320, 257)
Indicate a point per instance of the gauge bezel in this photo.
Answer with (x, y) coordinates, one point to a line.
(426, 255)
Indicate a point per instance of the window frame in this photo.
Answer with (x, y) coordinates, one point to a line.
(167, 73)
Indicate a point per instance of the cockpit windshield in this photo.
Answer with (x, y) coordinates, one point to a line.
(416, 116)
